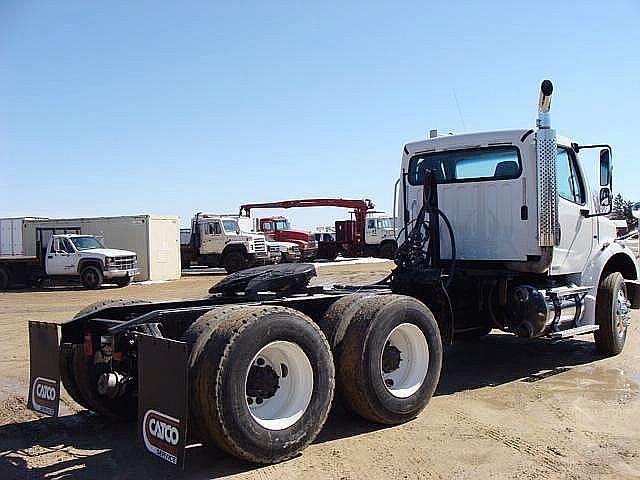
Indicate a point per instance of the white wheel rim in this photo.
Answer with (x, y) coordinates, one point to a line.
(295, 385)
(405, 378)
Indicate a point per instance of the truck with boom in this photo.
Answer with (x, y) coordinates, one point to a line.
(499, 230)
(369, 233)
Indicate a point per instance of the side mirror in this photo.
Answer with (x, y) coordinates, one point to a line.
(605, 199)
(605, 168)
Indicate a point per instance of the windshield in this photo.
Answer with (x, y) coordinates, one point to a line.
(476, 164)
(230, 226)
(282, 225)
(86, 243)
(385, 223)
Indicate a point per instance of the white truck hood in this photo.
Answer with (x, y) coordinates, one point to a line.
(107, 252)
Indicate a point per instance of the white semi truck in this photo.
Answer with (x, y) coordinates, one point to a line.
(499, 230)
(61, 257)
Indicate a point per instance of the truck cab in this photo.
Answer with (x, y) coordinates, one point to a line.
(522, 226)
(75, 255)
(380, 233)
(280, 229)
(220, 241)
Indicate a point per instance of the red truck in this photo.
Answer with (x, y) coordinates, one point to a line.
(369, 233)
(279, 229)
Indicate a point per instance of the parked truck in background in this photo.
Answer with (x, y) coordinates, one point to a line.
(219, 241)
(279, 229)
(61, 256)
(368, 233)
(524, 247)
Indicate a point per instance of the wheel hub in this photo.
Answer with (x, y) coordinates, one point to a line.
(623, 314)
(262, 382)
(279, 385)
(391, 358)
(404, 360)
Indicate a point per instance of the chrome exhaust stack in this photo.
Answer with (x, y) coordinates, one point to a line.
(546, 147)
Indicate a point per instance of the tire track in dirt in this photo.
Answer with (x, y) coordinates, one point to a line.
(547, 457)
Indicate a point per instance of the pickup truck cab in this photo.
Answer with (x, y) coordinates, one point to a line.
(86, 257)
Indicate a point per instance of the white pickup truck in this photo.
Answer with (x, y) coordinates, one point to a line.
(70, 257)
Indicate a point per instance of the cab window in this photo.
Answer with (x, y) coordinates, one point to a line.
(267, 226)
(371, 223)
(213, 228)
(570, 185)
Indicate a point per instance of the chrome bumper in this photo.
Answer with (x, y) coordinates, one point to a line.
(129, 272)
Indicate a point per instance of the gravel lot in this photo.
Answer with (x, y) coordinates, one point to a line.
(504, 408)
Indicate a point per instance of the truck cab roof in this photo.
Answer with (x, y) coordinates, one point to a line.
(476, 139)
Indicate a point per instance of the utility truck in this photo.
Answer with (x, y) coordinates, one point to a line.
(219, 241)
(62, 257)
(369, 233)
(499, 230)
(279, 229)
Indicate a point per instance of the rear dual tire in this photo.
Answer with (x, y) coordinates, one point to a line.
(262, 381)
(388, 355)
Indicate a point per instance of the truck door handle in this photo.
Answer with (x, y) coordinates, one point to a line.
(49, 256)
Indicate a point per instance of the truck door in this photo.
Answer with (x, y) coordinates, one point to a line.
(371, 236)
(61, 257)
(576, 231)
(213, 239)
(268, 228)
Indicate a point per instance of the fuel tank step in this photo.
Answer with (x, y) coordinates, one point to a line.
(574, 331)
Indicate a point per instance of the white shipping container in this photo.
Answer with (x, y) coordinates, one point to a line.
(11, 244)
(155, 239)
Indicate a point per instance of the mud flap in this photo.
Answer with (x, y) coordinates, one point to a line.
(162, 397)
(44, 382)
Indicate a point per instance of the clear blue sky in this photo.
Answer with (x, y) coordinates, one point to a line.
(111, 108)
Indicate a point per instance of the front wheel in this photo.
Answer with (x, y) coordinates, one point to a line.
(388, 250)
(234, 261)
(4, 279)
(612, 314)
(91, 277)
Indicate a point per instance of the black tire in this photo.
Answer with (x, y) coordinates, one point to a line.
(124, 281)
(196, 337)
(4, 279)
(612, 334)
(234, 261)
(388, 250)
(337, 318)
(219, 382)
(79, 376)
(91, 277)
(360, 369)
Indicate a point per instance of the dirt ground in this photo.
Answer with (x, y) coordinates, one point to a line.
(504, 408)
